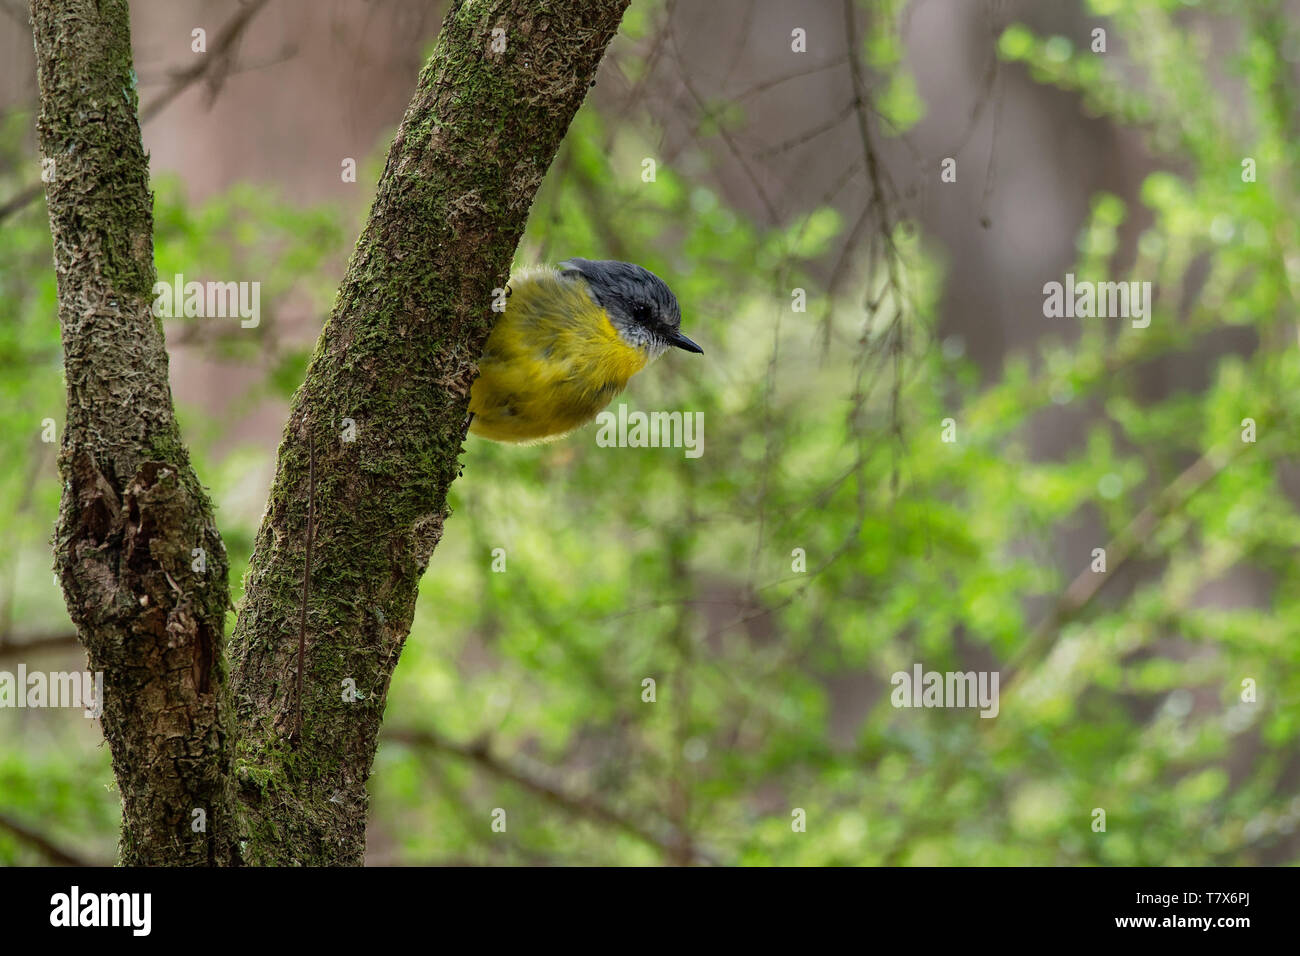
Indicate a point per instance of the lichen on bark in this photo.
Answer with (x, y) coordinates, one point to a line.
(141, 563)
(397, 357)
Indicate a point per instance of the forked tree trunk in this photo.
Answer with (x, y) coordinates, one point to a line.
(371, 446)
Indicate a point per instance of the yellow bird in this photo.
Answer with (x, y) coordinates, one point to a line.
(568, 342)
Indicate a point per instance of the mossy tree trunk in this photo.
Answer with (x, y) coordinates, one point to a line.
(371, 446)
(141, 564)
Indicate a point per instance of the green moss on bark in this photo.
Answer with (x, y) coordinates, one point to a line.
(133, 511)
(397, 356)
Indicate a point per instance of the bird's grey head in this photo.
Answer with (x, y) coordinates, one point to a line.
(641, 306)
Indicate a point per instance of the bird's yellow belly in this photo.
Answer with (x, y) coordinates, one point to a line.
(545, 372)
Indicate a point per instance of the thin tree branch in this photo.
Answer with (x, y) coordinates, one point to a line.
(20, 199)
(671, 843)
(807, 136)
(215, 65)
(1087, 584)
(216, 62)
(35, 838)
(766, 85)
(684, 75)
(11, 646)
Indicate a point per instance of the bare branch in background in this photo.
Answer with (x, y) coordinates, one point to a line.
(538, 781)
(11, 646)
(216, 66)
(34, 838)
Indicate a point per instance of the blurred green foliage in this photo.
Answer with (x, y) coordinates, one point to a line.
(772, 684)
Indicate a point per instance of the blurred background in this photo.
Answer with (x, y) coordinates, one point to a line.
(853, 291)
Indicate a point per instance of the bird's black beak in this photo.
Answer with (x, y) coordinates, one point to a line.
(682, 342)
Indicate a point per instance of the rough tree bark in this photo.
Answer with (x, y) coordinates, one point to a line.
(133, 512)
(371, 446)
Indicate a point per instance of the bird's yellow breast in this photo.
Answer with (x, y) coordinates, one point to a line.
(551, 363)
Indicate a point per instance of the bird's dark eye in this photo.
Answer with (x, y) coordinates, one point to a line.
(641, 313)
